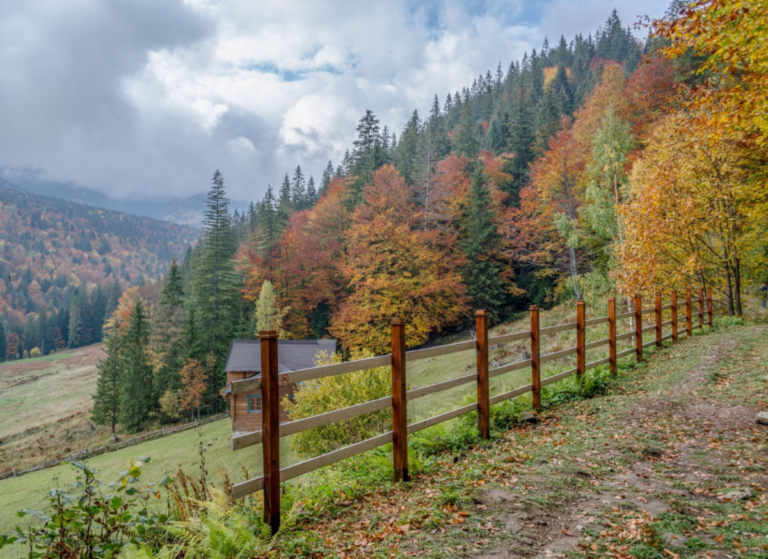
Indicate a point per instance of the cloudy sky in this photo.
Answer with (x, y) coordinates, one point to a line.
(149, 97)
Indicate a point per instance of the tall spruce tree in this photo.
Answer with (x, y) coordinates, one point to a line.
(479, 241)
(311, 199)
(215, 295)
(521, 141)
(168, 332)
(298, 190)
(106, 400)
(325, 182)
(465, 138)
(80, 320)
(137, 398)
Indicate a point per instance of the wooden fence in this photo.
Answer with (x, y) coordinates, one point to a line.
(268, 383)
(91, 452)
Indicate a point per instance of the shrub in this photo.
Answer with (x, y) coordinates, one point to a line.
(93, 519)
(25, 355)
(331, 393)
(35, 352)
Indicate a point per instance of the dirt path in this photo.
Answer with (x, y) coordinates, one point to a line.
(669, 463)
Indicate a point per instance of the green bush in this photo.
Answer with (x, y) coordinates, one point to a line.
(94, 519)
(35, 352)
(331, 393)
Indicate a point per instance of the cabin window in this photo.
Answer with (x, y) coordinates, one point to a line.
(254, 404)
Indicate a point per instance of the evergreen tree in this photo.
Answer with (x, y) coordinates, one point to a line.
(311, 193)
(480, 240)
(408, 150)
(521, 138)
(136, 387)
(547, 119)
(80, 320)
(325, 182)
(168, 331)
(106, 400)
(284, 197)
(215, 294)
(298, 190)
(465, 140)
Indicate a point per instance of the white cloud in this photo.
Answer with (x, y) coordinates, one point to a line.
(149, 97)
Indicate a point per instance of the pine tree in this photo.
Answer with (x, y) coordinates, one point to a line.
(311, 193)
(521, 138)
(480, 240)
(284, 196)
(215, 287)
(325, 182)
(106, 400)
(136, 387)
(168, 331)
(408, 150)
(298, 190)
(80, 320)
(547, 119)
(465, 140)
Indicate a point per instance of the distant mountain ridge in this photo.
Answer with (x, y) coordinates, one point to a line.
(183, 211)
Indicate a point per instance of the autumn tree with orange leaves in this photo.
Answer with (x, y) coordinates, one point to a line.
(395, 269)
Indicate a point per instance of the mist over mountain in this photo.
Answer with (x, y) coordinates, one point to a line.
(182, 211)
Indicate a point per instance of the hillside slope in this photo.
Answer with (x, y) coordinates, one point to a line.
(50, 247)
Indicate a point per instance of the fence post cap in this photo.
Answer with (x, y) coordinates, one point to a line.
(533, 308)
(268, 334)
(396, 320)
(481, 313)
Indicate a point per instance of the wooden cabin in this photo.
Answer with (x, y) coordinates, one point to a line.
(244, 361)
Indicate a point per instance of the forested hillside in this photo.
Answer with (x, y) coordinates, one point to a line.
(64, 266)
(592, 168)
(420, 224)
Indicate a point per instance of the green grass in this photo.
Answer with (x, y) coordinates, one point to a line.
(166, 454)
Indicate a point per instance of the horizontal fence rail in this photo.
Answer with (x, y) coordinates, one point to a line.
(398, 359)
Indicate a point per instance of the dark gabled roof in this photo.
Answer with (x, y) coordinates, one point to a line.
(292, 355)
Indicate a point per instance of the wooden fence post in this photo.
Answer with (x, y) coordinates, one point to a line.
(674, 316)
(612, 335)
(483, 382)
(581, 340)
(688, 313)
(399, 403)
(701, 308)
(657, 315)
(535, 358)
(270, 427)
(638, 328)
(709, 306)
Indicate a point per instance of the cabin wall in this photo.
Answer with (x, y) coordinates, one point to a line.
(244, 422)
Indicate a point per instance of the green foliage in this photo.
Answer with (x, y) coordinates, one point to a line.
(137, 396)
(480, 241)
(331, 393)
(215, 297)
(268, 315)
(94, 519)
(221, 531)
